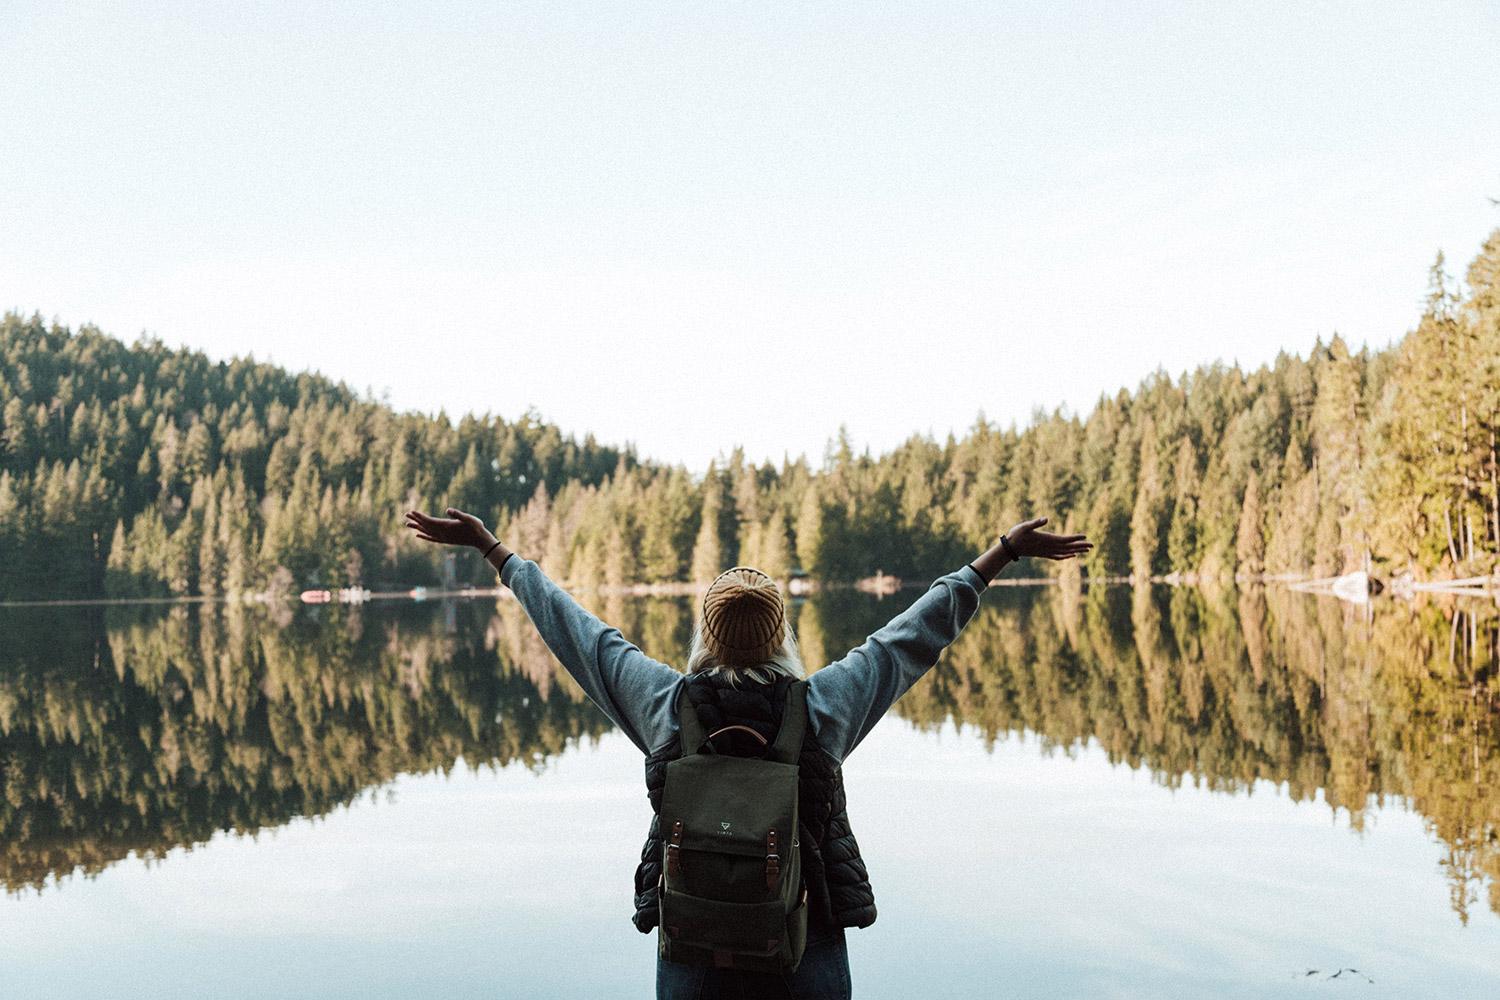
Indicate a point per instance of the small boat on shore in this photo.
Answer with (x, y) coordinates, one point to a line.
(881, 584)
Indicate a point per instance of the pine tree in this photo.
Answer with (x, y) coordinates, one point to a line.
(1483, 316)
(1250, 541)
(615, 559)
(752, 545)
(1151, 513)
(775, 547)
(1289, 546)
(210, 550)
(1182, 534)
(12, 570)
(119, 580)
(810, 531)
(1337, 421)
(708, 547)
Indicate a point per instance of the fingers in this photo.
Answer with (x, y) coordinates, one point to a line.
(1060, 539)
(416, 518)
(424, 526)
(1068, 551)
(1047, 538)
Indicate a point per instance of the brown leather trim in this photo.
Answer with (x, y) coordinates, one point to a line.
(674, 850)
(743, 729)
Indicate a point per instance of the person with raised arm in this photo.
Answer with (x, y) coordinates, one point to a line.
(741, 660)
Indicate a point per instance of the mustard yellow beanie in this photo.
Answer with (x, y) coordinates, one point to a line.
(743, 617)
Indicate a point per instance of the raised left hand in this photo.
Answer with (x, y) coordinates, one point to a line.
(1028, 541)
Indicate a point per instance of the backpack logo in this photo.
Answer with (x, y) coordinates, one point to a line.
(723, 826)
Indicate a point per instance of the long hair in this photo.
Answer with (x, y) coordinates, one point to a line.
(784, 661)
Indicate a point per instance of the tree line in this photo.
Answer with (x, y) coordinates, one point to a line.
(138, 470)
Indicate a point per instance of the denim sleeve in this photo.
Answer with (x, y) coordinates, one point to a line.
(846, 698)
(638, 694)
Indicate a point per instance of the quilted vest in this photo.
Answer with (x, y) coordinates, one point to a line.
(838, 886)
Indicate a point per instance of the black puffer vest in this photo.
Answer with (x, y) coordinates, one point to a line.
(838, 887)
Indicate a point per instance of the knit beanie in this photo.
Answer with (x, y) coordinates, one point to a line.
(743, 617)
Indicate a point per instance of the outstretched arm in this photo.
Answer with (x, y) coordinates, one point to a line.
(846, 698)
(638, 694)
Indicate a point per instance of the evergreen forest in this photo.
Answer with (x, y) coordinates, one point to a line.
(139, 470)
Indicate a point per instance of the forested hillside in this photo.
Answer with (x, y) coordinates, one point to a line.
(135, 469)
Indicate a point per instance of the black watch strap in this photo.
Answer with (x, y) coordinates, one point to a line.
(1010, 549)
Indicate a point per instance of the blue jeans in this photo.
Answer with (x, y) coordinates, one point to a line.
(822, 975)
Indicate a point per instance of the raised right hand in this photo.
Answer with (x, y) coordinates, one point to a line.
(458, 528)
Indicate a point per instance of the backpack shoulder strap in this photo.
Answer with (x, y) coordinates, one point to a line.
(788, 745)
(690, 730)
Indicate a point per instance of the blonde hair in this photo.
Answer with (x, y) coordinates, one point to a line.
(785, 660)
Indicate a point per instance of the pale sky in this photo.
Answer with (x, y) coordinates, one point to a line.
(690, 226)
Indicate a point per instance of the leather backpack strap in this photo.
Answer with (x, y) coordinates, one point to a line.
(788, 745)
(690, 729)
(742, 729)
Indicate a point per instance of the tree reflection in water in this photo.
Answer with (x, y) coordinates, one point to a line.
(141, 730)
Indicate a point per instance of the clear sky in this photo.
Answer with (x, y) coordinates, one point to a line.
(699, 225)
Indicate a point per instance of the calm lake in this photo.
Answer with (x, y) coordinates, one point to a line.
(1098, 793)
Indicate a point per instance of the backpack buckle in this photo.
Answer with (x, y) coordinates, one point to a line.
(674, 850)
(773, 861)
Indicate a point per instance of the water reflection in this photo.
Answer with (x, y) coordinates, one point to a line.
(142, 730)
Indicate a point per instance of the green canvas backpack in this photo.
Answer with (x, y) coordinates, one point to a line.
(731, 891)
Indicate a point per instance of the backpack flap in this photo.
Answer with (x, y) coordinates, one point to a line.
(729, 805)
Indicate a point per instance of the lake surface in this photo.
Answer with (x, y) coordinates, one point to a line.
(1103, 793)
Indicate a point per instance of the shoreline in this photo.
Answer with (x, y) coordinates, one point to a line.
(1355, 588)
